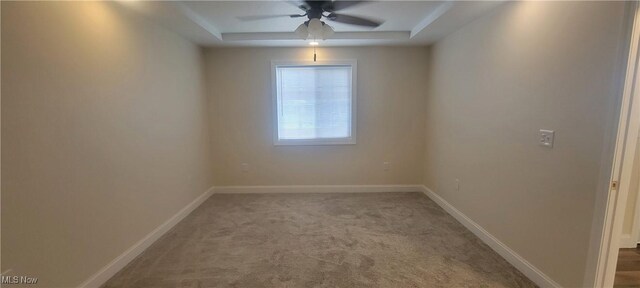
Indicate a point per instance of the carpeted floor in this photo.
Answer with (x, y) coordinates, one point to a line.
(319, 240)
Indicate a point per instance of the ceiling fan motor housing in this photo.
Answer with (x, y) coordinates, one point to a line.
(315, 9)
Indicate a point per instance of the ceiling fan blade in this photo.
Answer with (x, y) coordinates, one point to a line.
(331, 6)
(302, 5)
(354, 20)
(262, 17)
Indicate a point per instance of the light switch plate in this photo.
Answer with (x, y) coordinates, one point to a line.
(546, 138)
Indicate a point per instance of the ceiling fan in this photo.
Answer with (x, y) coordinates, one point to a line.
(316, 11)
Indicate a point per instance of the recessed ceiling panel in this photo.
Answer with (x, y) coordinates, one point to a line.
(216, 23)
(397, 15)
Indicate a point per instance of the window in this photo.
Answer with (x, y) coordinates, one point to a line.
(314, 103)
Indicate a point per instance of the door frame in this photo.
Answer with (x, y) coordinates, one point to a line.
(606, 233)
(633, 240)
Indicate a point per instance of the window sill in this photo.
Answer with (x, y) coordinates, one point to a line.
(315, 142)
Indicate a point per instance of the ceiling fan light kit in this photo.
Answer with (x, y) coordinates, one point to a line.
(302, 31)
(314, 29)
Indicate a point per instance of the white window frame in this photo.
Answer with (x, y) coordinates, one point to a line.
(324, 141)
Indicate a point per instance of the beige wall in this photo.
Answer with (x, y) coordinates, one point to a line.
(104, 135)
(390, 121)
(493, 84)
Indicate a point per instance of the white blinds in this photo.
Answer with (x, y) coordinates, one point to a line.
(314, 102)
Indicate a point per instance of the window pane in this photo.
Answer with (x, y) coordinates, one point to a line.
(314, 102)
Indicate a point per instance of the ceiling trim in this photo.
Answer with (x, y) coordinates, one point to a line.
(431, 17)
(197, 19)
(365, 35)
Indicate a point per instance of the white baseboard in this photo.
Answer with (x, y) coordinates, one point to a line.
(627, 242)
(318, 189)
(104, 274)
(511, 256)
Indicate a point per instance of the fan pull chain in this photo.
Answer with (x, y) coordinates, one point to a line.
(314, 53)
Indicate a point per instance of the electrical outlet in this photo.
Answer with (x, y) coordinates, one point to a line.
(245, 167)
(385, 166)
(546, 138)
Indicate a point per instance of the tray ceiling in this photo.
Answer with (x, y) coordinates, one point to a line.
(215, 23)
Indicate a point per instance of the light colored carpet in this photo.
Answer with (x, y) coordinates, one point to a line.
(319, 240)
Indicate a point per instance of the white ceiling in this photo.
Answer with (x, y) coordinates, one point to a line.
(398, 16)
(215, 23)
